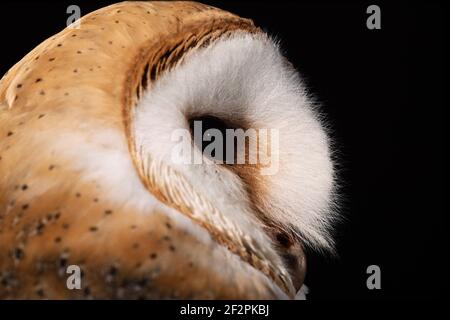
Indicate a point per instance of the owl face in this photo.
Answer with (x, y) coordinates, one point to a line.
(242, 82)
(131, 128)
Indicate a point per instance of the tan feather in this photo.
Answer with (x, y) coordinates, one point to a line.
(55, 212)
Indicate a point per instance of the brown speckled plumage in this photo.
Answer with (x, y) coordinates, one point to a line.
(81, 80)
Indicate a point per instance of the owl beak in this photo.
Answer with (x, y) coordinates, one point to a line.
(291, 250)
(295, 260)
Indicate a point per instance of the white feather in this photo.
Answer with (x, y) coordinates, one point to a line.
(245, 76)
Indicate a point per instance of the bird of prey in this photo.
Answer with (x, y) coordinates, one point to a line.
(89, 176)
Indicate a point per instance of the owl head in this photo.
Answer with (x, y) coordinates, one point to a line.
(168, 150)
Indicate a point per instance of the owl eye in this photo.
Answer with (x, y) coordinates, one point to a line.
(203, 136)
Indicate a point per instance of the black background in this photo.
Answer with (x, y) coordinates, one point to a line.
(382, 93)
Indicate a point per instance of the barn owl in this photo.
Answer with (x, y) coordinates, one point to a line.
(88, 177)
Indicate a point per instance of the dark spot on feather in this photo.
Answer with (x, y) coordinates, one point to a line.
(62, 262)
(40, 226)
(87, 291)
(112, 271)
(18, 254)
(40, 293)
